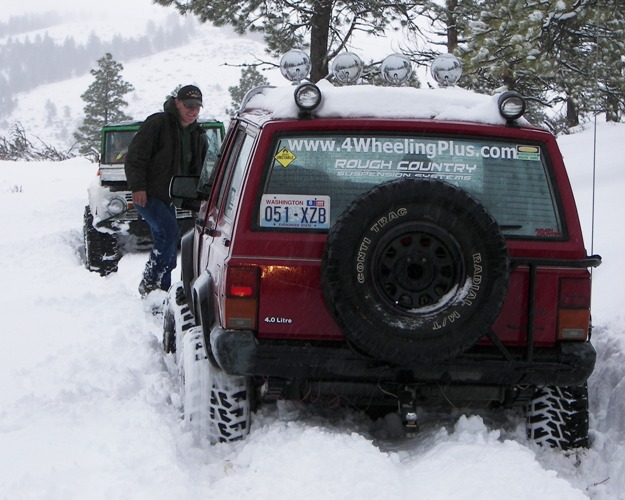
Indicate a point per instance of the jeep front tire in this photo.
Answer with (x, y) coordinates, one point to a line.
(217, 406)
(101, 253)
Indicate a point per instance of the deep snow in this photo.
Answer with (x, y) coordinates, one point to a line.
(89, 403)
(90, 406)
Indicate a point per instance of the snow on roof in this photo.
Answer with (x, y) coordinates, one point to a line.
(369, 101)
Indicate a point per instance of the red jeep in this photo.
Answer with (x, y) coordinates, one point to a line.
(384, 247)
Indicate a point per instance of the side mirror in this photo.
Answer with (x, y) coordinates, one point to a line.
(184, 187)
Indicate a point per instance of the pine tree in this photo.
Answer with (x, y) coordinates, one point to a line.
(250, 78)
(326, 27)
(608, 31)
(104, 102)
(554, 51)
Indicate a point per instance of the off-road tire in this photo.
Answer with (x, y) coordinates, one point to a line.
(101, 252)
(216, 405)
(177, 318)
(558, 417)
(415, 271)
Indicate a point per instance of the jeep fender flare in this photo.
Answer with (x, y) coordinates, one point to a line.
(186, 271)
(203, 303)
(415, 271)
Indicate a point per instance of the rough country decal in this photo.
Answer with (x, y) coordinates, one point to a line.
(415, 169)
(407, 175)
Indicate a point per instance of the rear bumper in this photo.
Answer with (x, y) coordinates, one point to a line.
(241, 353)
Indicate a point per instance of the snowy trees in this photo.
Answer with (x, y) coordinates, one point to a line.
(104, 102)
(554, 51)
(18, 146)
(324, 26)
(250, 78)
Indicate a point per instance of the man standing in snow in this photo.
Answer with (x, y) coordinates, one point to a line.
(168, 143)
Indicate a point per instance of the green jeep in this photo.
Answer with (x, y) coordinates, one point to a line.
(112, 226)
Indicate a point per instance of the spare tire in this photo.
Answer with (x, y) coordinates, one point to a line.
(415, 271)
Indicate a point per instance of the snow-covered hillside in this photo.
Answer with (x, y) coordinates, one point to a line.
(212, 60)
(90, 405)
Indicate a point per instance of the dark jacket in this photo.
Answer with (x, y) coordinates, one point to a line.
(155, 151)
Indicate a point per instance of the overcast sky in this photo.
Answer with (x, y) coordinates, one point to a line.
(80, 7)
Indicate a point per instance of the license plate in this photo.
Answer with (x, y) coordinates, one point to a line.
(295, 211)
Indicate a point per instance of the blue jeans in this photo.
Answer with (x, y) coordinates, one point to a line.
(165, 235)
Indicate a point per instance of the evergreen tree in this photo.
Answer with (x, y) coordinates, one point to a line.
(447, 25)
(324, 26)
(250, 78)
(554, 51)
(608, 34)
(104, 102)
(503, 46)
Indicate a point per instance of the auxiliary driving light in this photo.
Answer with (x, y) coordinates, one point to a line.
(511, 105)
(446, 69)
(347, 68)
(307, 96)
(295, 65)
(396, 69)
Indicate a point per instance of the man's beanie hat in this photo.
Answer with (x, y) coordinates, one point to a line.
(190, 94)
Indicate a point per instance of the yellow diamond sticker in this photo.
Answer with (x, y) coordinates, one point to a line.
(285, 157)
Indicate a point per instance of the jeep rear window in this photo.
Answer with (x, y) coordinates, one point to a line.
(327, 172)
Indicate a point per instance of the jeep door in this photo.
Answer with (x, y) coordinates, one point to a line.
(215, 244)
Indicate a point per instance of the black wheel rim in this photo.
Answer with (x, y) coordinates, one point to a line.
(417, 268)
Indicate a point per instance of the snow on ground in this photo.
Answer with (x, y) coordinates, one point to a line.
(90, 408)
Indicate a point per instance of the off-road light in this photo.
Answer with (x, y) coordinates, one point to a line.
(511, 105)
(295, 65)
(116, 205)
(446, 69)
(347, 68)
(307, 96)
(396, 69)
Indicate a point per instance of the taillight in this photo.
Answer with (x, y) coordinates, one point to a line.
(242, 285)
(574, 309)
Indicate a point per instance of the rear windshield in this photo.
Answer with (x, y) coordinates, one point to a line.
(313, 179)
(116, 146)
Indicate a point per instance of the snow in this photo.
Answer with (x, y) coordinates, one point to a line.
(90, 404)
(382, 102)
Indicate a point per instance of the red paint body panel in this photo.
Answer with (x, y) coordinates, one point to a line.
(291, 303)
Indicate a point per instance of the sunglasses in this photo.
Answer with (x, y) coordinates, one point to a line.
(192, 106)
